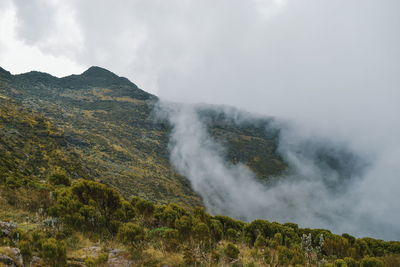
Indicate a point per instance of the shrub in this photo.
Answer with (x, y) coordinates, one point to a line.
(26, 249)
(278, 238)
(229, 223)
(260, 242)
(371, 262)
(59, 178)
(89, 206)
(127, 212)
(131, 234)
(231, 251)
(285, 255)
(168, 237)
(258, 227)
(145, 207)
(340, 263)
(90, 262)
(53, 252)
(201, 232)
(184, 226)
(232, 234)
(216, 230)
(351, 262)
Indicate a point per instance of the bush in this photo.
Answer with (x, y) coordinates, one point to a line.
(26, 249)
(260, 242)
(351, 262)
(232, 234)
(90, 262)
(145, 207)
(285, 255)
(131, 234)
(231, 251)
(88, 206)
(127, 212)
(201, 232)
(268, 230)
(278, 238)
(272, 244)
(371, 262)
(53, 252)
(163, 233)
(216, 230)
(229, 223)
(184, 226)
(340, 263)
(168, 237)
(59, 178)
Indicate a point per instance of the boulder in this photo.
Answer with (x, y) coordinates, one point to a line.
(11, 256)
(6, 228)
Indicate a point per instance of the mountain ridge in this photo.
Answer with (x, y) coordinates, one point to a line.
(109, 122)
(92, 77)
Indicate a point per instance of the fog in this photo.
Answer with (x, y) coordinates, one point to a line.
(327, 71)
(342, 197)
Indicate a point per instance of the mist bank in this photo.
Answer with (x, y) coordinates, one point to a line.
(329, 183)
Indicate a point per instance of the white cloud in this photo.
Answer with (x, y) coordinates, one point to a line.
(18, 56)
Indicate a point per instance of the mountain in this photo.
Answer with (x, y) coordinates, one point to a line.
(107, 122)
(81, 156)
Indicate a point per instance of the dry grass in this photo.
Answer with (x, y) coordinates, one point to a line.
(163, 257)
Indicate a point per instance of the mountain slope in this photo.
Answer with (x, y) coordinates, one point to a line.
(31, 146)
(101, 127)
(108, 121)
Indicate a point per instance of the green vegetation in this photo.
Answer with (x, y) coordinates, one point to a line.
(107, 122)
(83, 184)
(152, 234)
(231, 251)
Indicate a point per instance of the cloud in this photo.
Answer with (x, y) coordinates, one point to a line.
(146, 41)
(328, 184)
(289, 52)
(284, 58)
(17, 55)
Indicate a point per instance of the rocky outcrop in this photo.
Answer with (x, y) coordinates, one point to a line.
(119, 258)
(11, 257)
(6, 228)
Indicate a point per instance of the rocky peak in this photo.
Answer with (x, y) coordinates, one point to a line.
(97, 72)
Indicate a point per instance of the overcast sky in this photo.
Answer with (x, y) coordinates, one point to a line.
(172, 46)
(334, 64)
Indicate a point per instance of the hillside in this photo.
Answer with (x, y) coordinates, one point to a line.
(85, 223)
(108, 122)
(81, 156)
